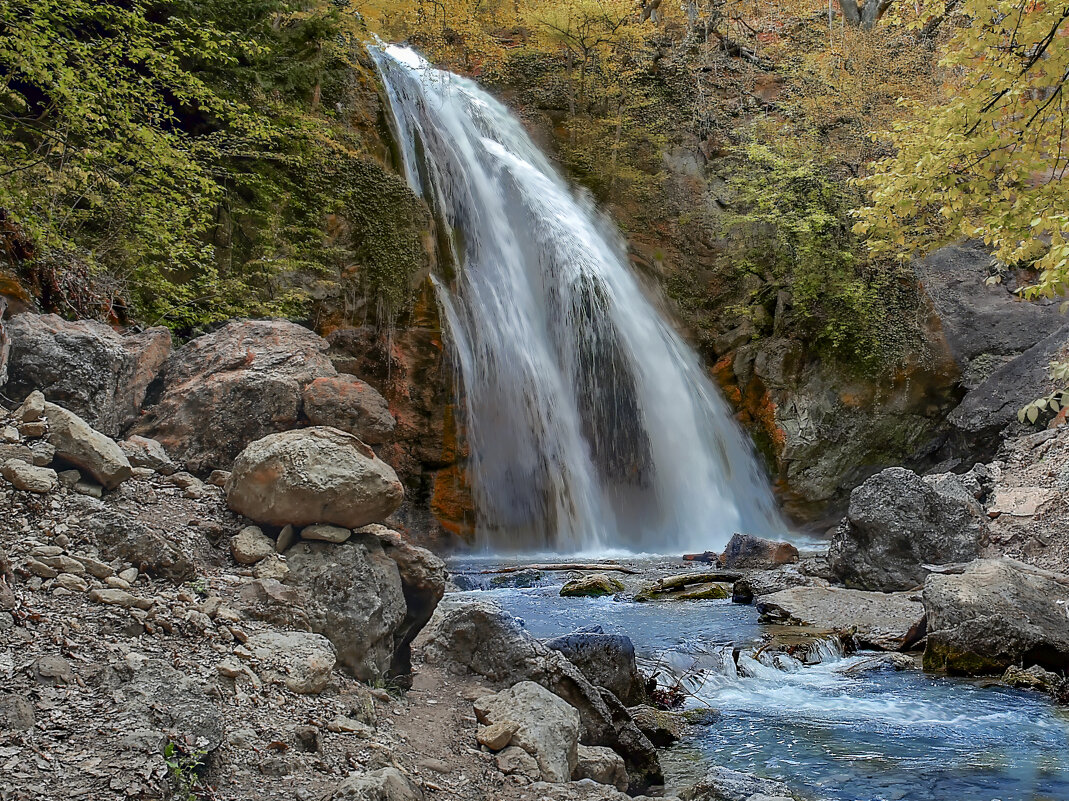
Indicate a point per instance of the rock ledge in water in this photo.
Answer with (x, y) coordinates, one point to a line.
(887, 621)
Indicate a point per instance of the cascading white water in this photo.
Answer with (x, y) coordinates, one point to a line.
(591, 424)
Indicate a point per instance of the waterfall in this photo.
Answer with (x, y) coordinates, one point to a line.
(592, 426)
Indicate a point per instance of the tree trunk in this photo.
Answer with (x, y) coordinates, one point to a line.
(864, 14)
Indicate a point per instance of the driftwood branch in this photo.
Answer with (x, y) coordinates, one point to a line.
(564, 566)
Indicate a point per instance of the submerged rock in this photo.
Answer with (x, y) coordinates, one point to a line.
(689, 586)
(996, 613)
(721, 784)
(886, 621)
(898, 522)
(312, 475)
(592, 586)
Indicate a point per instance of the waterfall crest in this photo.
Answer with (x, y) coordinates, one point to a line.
(592, 425)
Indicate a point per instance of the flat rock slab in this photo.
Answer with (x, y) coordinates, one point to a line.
(888, 621)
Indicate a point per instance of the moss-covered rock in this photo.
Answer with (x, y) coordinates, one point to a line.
(591, 586)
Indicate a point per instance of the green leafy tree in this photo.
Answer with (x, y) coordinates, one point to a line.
(990, 160)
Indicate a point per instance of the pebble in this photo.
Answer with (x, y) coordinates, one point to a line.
(117, 597)
(325, 533)
(69, 581)
(41, 570)
(129, 575)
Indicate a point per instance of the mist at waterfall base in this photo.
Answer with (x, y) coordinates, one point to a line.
(592, 426)
(839, 730)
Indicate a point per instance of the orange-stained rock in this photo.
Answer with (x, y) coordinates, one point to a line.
(346, 402)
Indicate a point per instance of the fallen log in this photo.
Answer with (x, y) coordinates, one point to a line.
(564, 566)
(697, 577)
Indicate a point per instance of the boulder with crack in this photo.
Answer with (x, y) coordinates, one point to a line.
(423, 579)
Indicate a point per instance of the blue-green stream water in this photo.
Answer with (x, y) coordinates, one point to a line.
(828, 731)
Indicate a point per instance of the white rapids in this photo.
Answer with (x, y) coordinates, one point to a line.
(592, 426)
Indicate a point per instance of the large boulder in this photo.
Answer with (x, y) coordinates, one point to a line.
(423, 580)
(346, 402)
(898, 522)
(77, 443)
(312, 475)
(887, 621)
(477, 636)
(353, 596)
(231, 387)
(85, 366)
(747, 551)
(607, 660)
(543, 725)
(996, 613)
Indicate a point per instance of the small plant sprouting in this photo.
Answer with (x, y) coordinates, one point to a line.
(184, 764)
(199, 585)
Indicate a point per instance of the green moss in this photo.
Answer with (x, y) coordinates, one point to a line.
(940, 656)
(592, 586)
